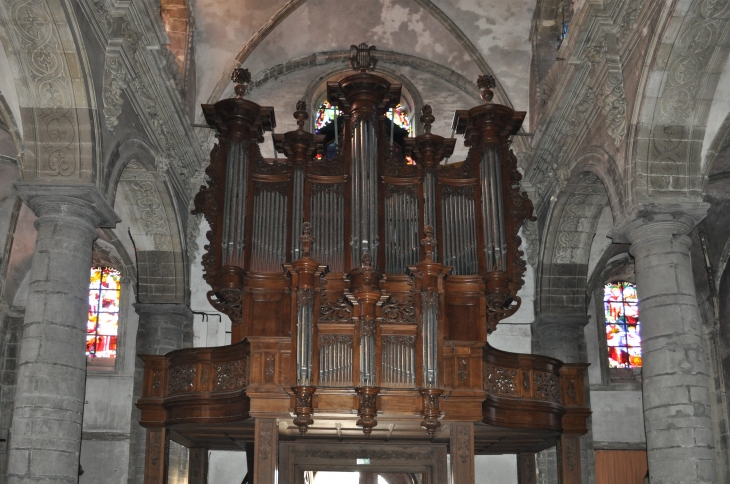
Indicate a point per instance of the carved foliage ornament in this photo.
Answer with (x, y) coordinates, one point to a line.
(547, 386)
(181, 379)
(500, 381)
(230, 375)
(339, 311)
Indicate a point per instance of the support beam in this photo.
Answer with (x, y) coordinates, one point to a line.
(462, 453)
(197, 466)
(568, 452)
(155, 466)
(265, 448)
(526, 468)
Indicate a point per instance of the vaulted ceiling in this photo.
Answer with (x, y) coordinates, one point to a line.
(292, 42)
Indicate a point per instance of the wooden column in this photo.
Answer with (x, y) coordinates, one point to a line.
(526, 468)
(197, 466)
(265, 451)
(156, 452)
(568, 455)
(462, 453)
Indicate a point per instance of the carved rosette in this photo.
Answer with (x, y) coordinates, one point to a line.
(367, 408)
(303, 407)
(431, 412)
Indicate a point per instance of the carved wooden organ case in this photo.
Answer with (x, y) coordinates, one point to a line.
(375, 271)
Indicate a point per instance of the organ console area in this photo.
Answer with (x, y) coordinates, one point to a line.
(362, 288)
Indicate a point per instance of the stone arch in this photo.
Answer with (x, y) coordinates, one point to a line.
(596, 160)
(689, 50)
(52, 80)
(569, 233)
(142, 198)
(287, 9)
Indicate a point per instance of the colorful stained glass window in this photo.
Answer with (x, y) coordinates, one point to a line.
(327, 111)
(623, 329)
(400, 115)
(325, 115)
(103, 323)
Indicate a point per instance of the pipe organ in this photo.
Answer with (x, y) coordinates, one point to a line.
(366, 280)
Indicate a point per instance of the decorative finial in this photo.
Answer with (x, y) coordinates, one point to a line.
(485, 84)
(366, 260)
(362, 57)
(241, 78)
(306, 239)
(429, 242)
(427, 118)
(301, 114)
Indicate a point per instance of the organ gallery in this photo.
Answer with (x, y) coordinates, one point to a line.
(362, 276)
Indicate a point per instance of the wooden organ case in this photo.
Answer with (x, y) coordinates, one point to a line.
(362, 288)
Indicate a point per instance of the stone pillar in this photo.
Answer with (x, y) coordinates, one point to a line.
(526, 468)
(51, 380)
(675, 372)
(266, 449)
(462, 452)
(562, 337)
(161, 330)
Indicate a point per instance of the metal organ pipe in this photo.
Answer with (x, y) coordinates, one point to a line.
(495, 246)
(364, 191)
(234, 218)
(298, 211)
(305, 316)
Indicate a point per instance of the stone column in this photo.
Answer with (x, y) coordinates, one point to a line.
(675, 372)
(266, 449)
(462, 452)
(562, 337)
(161, 330)
(49, 398)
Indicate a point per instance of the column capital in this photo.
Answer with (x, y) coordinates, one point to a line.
(83, 202)
(649, 221)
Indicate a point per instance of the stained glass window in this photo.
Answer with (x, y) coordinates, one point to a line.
(325, 116)
(400, 115)
(623, 329)
(103, 323)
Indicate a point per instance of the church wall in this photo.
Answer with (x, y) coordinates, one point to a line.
(495, 469)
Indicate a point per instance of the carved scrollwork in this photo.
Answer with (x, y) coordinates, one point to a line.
(400, 312)
(547, 386)
(466, 191)
(336, 188)
(329, 339)
(339, 311)
(230, 375)
(400, 340)
(500, 381)
(181, 379)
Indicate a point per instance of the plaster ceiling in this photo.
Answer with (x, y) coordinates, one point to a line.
(463, 35)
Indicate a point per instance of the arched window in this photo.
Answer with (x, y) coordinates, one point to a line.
(623, 329)
(103, 324)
